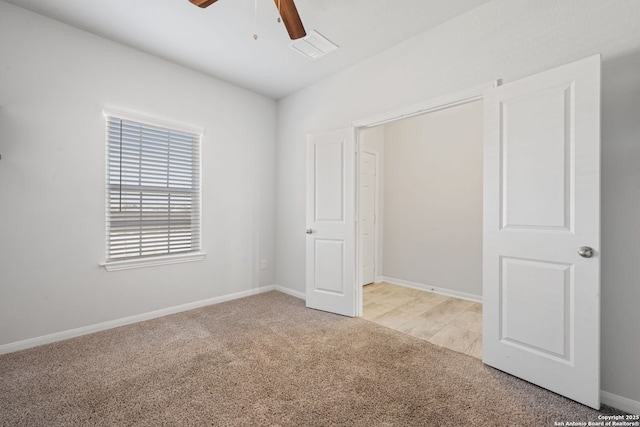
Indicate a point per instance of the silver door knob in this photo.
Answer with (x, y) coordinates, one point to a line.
(309, 231)
(585, 252)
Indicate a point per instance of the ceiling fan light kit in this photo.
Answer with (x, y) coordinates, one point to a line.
(288, 13)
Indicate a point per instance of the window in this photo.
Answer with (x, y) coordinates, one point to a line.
(153, 193)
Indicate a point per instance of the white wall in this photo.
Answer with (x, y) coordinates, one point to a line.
(433, 203)
(506, 39)
(54, 82)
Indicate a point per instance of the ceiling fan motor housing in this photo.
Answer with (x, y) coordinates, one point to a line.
(288, 13)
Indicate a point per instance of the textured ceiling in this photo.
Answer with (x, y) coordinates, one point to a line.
(218, 41)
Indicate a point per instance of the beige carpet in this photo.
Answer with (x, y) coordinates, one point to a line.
(264, 361)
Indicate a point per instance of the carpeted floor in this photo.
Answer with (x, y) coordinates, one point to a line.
(265, 361)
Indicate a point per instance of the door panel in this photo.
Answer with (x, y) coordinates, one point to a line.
(329, 265)
(544, 152)
(331, 239)
(536, 304)
(329, 185)
(541, 315)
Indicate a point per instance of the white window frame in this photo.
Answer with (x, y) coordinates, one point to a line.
(152, 260)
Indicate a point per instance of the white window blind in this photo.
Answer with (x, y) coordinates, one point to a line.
(153, 190)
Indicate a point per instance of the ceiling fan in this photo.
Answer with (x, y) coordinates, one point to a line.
(288, 13)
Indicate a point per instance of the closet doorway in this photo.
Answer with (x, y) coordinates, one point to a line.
(420, 238)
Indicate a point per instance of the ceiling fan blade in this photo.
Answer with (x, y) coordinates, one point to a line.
(203, 3)
(291, 18)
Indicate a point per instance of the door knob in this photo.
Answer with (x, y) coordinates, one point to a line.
(585, 252)
(309, 231)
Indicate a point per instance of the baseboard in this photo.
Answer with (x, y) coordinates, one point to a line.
(291, 292)
(434, 289)
(619, 402)
(72, 333)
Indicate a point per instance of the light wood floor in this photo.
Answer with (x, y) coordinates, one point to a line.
(448, 322)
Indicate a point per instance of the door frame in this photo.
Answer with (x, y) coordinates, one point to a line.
(475, 93)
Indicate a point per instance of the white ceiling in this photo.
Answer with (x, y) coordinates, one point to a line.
(218, 41)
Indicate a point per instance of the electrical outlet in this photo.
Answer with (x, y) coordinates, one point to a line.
(263, 264)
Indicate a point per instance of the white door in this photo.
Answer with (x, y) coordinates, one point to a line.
(331, 238)
(367, 227)
(541, 291)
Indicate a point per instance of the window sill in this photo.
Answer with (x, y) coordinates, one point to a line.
(152, 262)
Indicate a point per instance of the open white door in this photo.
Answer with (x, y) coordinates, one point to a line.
(541, 279)
(367, 229)
(331, 238)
